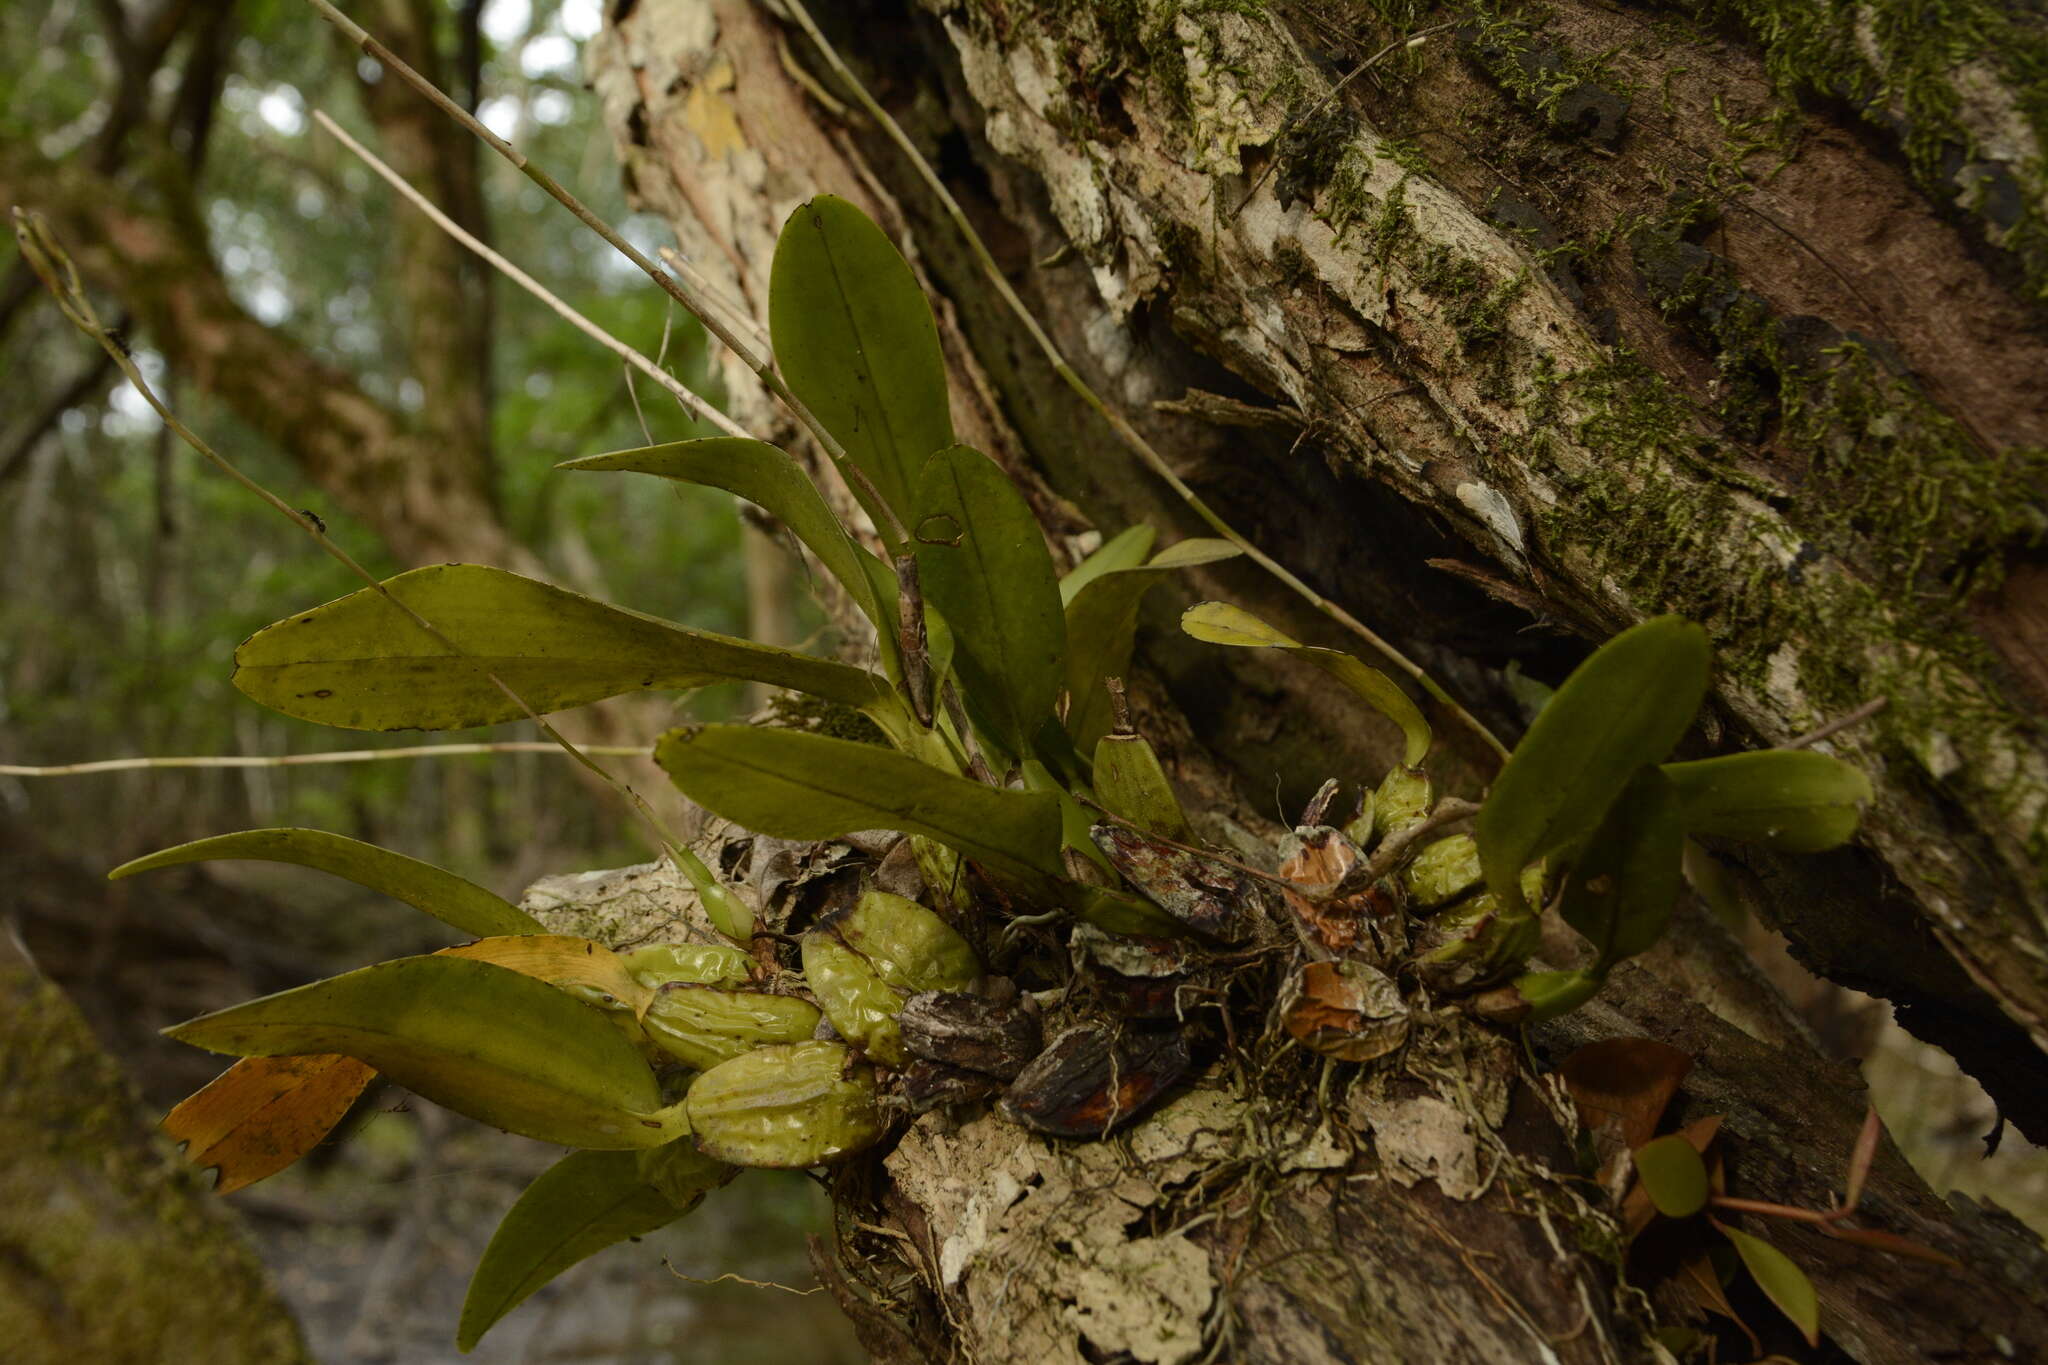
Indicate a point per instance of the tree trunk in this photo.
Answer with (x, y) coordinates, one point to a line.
(108, 1249)
(1504, 340)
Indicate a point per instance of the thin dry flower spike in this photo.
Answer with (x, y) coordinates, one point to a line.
(264, 1113)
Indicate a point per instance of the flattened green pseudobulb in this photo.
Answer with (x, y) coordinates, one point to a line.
(789, 1106)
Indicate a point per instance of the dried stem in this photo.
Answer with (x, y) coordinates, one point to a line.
(692, 404)
(122, 765)
(1125, 432)
(1840, 723)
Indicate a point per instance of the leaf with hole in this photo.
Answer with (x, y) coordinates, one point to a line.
(794, 785)
(1624, 707)
(983, 563)
(855, 340)
(445, 896)
(1792, 800)
(773, 481)
(503, 1048)
(1220, 623)
(1675, 1176)
(362, 663)
(582, 1204)
(1623, 886)
(264, 1113)
(1783, 1283)
(1102, 627)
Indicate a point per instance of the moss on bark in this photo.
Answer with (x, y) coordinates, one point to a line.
(107, 1253)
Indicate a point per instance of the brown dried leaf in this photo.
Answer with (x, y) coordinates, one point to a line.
(264, 1113)
(1093, 1080)
(1699, 1281)
(1622, 1087)
(1209, 897)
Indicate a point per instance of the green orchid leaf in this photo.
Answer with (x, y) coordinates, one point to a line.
(361, 663)
(1624, 884)
(1550, 994)
(486, 1041)
(1674, 1175)
(1220, 623)
(1102, 628)
(445, 896)
(582, 1204)
(855, 340)
(773, 481)
(1623, 708)
(1793, 800)
(795, 785)
(1124, 550)
(1783, 1283)
(983, 563)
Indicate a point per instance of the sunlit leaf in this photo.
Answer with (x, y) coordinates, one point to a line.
(423, 886)
(1674, 1175)
(582, 1204)
(1622, 888)
(1125, 550)
(583, 967)
(1220, 623)
(505, 1049)
(361, 663)
(1622, 708)
(1793, 800)
(773, 481)
(984, 565)
(1102, 625)
(796, 785)
(1783, 1283)
(264, 1113)
(855, 339)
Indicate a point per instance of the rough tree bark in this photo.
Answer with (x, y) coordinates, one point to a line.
(1564, 317)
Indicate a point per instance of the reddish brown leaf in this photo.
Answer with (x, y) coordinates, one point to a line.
(1622, 1087)
(264, 1113)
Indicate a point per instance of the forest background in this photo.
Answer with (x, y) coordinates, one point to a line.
(132, 572)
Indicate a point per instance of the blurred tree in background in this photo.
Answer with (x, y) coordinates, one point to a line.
(337, 346)
(348, 354)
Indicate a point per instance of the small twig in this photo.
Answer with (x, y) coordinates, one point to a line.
(120, 765)
(1388, 855)
(1839, 724)
(1125, 432)
(1412, 40)
(886, 522)
(694, 405)
(1770, 1210)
